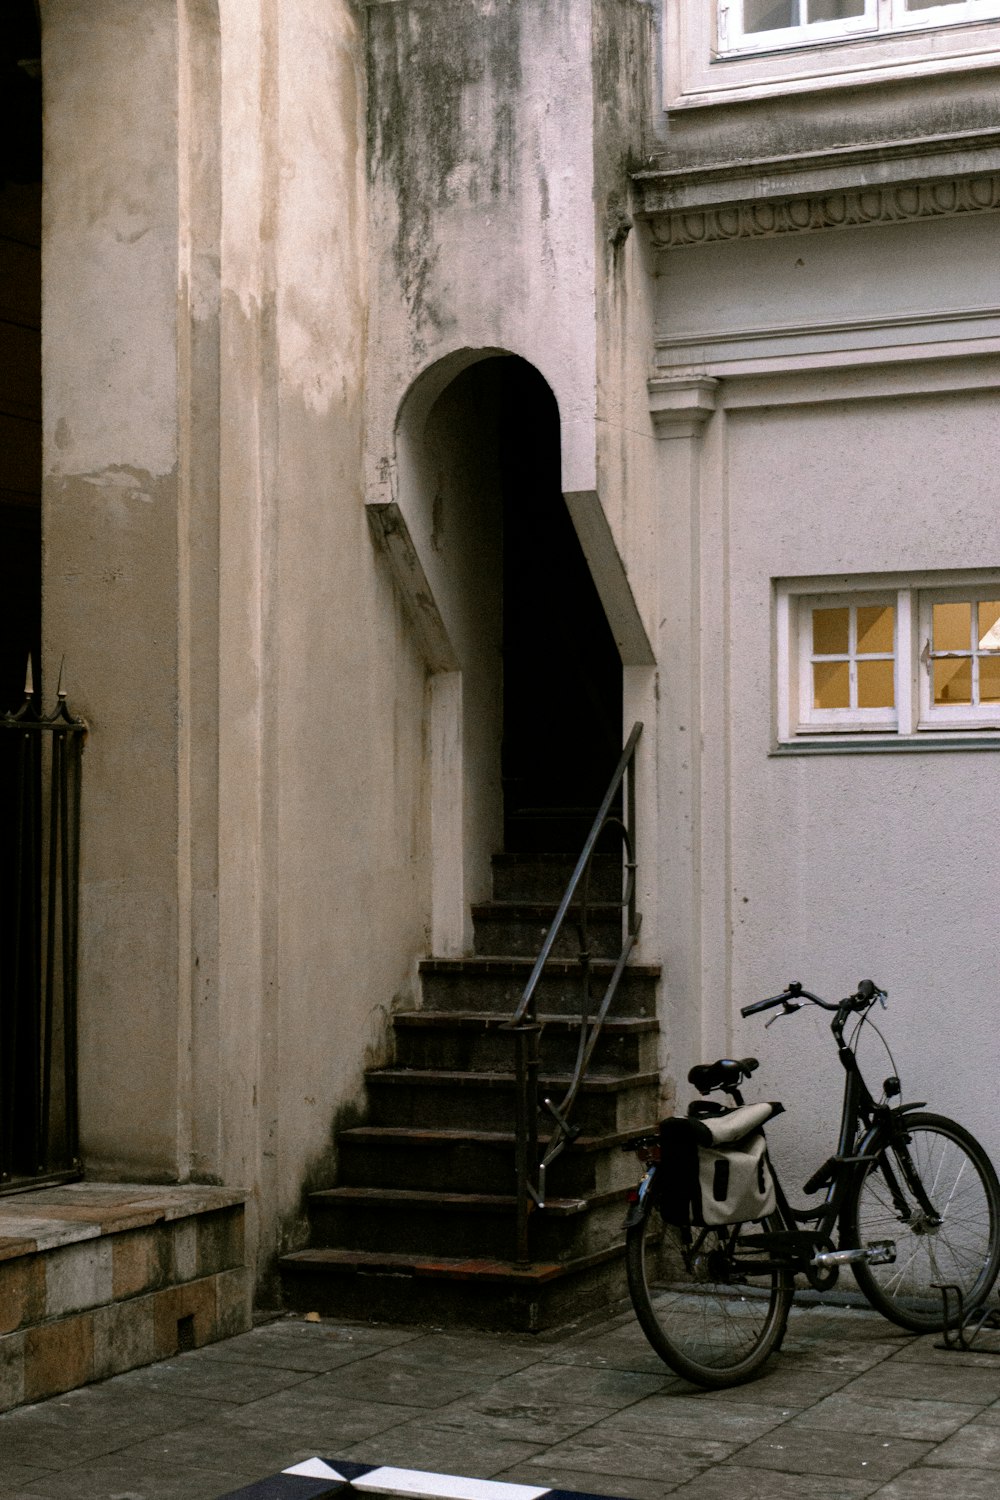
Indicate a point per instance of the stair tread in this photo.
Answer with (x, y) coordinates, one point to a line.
(423, 1198)
(599, 1083)
(444, 1267)
(515, 908)
(486, 963)
(412, 1135)
(490, 1020)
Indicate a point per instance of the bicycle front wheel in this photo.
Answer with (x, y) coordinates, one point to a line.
(710, 1320)
(933, 1191)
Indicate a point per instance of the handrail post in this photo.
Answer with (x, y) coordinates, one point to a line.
(525, 1127)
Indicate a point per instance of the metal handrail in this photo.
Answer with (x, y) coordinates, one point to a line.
(531, 1168)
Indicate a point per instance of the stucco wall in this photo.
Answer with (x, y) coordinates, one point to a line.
(853, 432)
(844, 867)
(254, 780)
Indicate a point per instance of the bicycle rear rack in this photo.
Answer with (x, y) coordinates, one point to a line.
(961, 1331)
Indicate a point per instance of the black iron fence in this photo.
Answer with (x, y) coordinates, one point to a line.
(40, 774)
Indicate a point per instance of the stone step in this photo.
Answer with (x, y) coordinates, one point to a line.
(471, 1291)
(544, 877)
(98, 1278)
(419, 1097)
(471, 1041)
(518, 928)
(497, 984)
(479, 1161)
(461, 1224)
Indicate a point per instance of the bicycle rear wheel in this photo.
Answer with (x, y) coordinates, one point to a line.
(710, 1321)
(958, 1244)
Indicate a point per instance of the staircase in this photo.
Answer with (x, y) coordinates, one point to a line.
(421, 1227)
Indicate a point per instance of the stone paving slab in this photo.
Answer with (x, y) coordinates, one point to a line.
(850, 1408)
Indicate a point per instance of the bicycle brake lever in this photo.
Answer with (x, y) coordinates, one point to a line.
(787, 1009)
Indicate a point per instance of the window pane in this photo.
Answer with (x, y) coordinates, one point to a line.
(830, 631)
(953, 678)
(989, 625)
(835, 10)
(876, 688)
(927, 4)
(952, 627)
(876, 628)
(769, 15)
(989, 679)
(831, 685)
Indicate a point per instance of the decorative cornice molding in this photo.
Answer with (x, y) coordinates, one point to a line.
(681, 405)
(889, 203)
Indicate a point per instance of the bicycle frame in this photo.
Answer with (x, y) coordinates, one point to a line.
(867, 1127)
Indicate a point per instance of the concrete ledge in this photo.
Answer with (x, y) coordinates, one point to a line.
(98, 1278)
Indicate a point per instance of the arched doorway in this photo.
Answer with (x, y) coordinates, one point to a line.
(527, 684)
(562, 673)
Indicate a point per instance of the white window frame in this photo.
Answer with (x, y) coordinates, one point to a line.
(698, 71)
(838, 720)
(879, 18)
(915, 716)
(953, 715)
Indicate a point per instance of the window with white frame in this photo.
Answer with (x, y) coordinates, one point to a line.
(892, 657)
(754, 25)
(742, 49)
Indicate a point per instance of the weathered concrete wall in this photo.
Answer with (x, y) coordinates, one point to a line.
(481, 200)
(111, 497)
(500, 138)
(255, 774)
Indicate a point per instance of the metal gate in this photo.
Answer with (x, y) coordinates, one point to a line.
(40, 776)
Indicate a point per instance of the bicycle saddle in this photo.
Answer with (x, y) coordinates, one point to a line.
(727, 1073)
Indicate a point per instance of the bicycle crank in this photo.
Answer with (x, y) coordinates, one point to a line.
(876, 1253)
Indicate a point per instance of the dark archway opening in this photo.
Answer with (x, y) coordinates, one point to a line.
(562, 672)
(20, 346)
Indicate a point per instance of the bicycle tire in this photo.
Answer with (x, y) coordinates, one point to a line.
(715, 1331)
(963, 1250)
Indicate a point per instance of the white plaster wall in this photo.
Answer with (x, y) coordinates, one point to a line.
(845, 867)
(842, 277)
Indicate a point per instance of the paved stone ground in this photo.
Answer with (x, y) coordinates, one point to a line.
(851, 1407)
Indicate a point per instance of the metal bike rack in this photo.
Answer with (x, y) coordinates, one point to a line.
(962, 1328)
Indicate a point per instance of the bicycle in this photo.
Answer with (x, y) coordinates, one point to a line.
(911, 1201)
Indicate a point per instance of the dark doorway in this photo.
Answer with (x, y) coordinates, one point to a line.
(562, 672)
(20, 346)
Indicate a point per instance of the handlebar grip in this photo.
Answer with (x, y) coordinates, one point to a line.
(758, 1005)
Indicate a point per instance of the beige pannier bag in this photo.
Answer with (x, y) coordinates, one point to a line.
(715, 1171)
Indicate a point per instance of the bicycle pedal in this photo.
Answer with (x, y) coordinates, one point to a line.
(877, 1253)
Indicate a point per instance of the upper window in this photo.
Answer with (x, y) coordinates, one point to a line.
(737, 49)
(904, 658)
(753, 25)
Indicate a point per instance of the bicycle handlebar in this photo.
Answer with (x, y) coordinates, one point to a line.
(867, 992)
